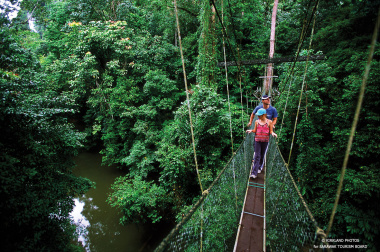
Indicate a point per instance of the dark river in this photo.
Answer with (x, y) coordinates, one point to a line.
(98, 221)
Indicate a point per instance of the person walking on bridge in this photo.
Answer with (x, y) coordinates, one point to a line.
(271, 111)
(263, 128)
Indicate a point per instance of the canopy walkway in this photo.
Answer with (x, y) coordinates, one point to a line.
(268, 214)
(216, 220)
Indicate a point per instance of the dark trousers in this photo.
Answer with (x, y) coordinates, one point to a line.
(260, 149)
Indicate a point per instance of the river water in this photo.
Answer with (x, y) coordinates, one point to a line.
(97, 221)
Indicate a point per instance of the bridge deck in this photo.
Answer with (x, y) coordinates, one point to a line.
(251, 232)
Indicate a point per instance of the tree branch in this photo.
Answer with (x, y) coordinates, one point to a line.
(188, 11)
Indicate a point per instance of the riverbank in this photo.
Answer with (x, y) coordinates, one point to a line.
(98, 222)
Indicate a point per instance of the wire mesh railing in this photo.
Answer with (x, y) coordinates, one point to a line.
(290, 225)
(212, 223)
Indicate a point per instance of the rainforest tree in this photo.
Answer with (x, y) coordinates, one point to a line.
(327, 109)
(37, 146)
(115, 65)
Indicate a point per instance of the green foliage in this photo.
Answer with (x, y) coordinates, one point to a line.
(346, 28)
(123, 80)
(105, 66)
(37, 143)
(248, 27)
(13, 57)
(322, 133)
(116, 65)
(21, 21)
(361, 190)
(177, 175)
(58, 16)
(207, 47)
(210, 119)
(246, 37)
(139, 200)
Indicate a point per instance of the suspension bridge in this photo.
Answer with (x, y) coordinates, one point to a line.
(232, 214)
(236, 213)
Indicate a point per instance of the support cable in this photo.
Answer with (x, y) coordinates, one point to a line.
(300, 42)
(228, 90)
(319, 230)
(355, 121)
(191, 123)
(187, 94)
(242, 107)
(303, 83)
(286, 104)
(224, 32)
(229, 110)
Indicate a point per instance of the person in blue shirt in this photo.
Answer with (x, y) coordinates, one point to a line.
(263, 128)
(271, 114)
(271, 111)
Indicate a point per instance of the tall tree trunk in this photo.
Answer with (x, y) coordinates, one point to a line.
(269, 76)
(207, 47)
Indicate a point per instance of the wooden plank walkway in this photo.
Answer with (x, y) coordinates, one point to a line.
(250, 236)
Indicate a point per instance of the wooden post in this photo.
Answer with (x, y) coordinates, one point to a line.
(269, 80)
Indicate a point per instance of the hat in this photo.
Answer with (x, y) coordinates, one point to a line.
(265, 97)
(261, 112)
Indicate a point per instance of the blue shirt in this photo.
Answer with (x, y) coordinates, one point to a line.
(271, 111)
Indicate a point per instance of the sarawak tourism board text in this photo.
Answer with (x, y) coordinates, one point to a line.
(345, 244)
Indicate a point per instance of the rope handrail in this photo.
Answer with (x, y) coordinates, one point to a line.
(205, 193)
(184, 236)
(355, 120)
(290, 209)
(189, 226)
(176, 229)
(298, 192)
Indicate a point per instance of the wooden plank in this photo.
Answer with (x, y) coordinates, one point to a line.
(273, 60)
(251, 234)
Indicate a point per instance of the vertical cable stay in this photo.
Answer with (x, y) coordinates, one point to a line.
(191, 123)
(225, 35)
(229, 108)
(320, 231)
(355, 121)
(228, 90)
(301, 40)
(286, 104)
(224, 30)
(303, 84)
(242, 107)
(208, 203)
(187, 94)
